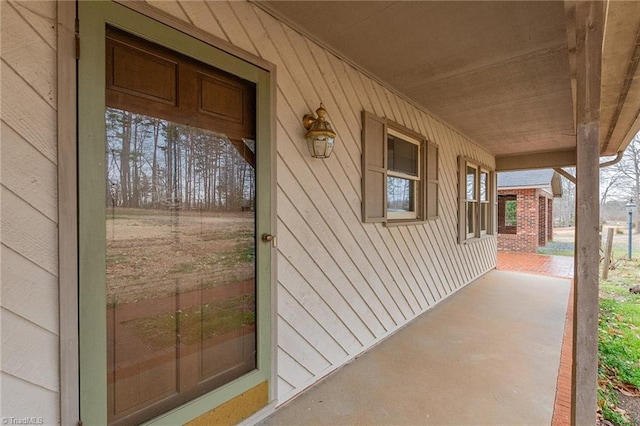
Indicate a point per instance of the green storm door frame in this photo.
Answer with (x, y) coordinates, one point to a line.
(93, 18)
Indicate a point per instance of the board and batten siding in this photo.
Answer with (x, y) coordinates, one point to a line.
(342, 285)
(29, 381)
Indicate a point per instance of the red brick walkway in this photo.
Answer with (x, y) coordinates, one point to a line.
(557, 266)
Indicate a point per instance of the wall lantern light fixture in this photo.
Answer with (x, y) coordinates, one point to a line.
(320, 136)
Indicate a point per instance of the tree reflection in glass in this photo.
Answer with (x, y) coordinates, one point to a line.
(180, 262)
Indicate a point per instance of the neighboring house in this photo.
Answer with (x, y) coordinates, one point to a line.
(525, 208)
(137, 284)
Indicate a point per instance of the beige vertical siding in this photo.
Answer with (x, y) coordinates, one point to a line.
(342, 285)
(29, 302)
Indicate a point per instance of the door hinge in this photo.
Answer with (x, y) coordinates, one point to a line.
(77, 34)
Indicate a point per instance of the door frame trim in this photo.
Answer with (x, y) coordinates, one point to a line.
(67, 214)
(90, 365)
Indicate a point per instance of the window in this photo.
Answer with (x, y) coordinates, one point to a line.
(400, 173)
(403, 175)
(484, 201)
(476, 205)
(507, 214)
(471, 201)
(511, 217)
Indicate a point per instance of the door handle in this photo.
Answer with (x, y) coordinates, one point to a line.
(268, 238)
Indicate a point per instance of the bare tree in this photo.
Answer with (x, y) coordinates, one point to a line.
(622, 180)
(154, 163)
(608, 183)
(565, 206)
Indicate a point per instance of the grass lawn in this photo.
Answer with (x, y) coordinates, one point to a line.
(619, 340)
(618, 328)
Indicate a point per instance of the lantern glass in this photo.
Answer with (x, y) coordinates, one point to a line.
(320, 146)
(630, 206)
(320, 136)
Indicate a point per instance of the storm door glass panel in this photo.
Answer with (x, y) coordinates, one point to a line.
(181, 286)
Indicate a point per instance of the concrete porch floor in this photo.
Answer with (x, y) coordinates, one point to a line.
(487, 355)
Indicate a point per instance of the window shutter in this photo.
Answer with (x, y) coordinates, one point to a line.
(433, 183)
(374, 166)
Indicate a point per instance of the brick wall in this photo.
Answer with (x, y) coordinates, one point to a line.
(534, 210)
(550, 219)
(542, 221)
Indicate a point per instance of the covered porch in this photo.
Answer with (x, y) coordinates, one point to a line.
(462, 362)
(484, 86)
(537, 84)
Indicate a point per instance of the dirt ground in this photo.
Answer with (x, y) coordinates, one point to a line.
(156, 253)
(181, 302)
(631, 404)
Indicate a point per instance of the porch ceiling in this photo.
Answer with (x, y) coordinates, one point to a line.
(498, 71)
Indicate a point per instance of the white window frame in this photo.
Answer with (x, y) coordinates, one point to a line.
(464, 236)
(392, 215)
(473, 201)
(486, 202)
